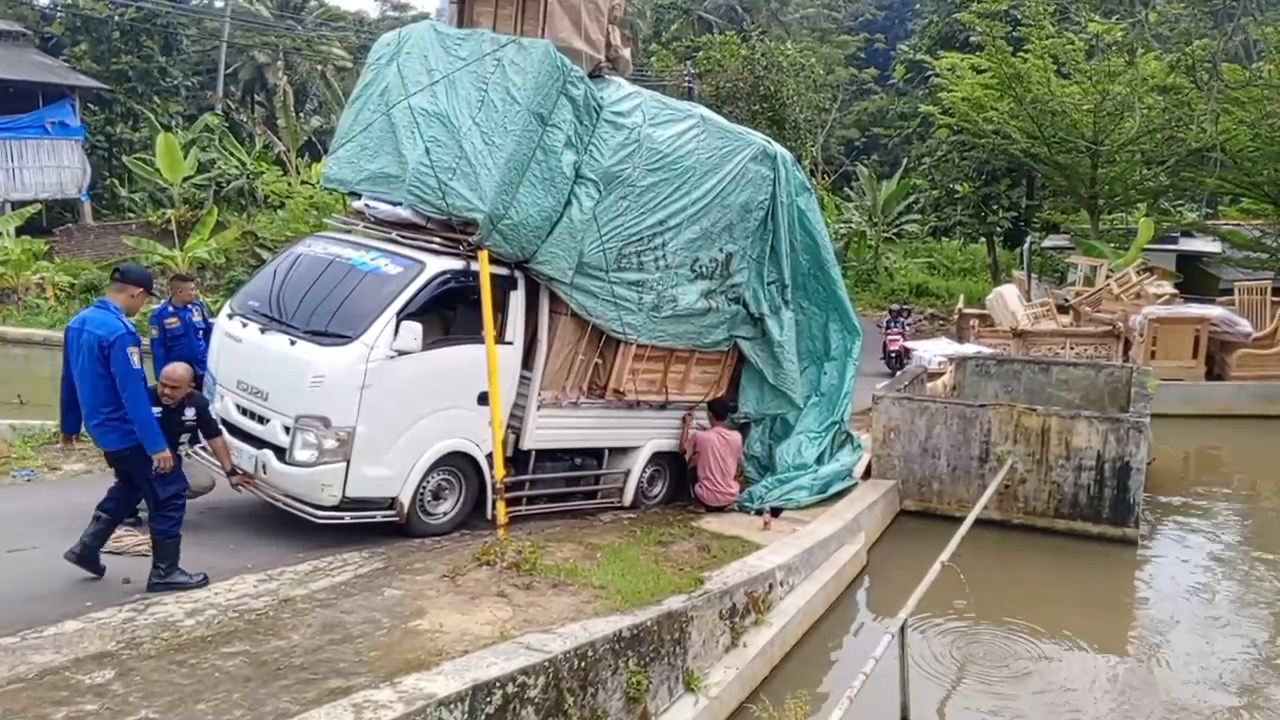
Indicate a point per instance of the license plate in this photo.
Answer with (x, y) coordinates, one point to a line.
(894, 343)
(245, 458)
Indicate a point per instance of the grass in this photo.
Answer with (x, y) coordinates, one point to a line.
(624, 565)
(647, 564)
(797, 706)
(40, 450)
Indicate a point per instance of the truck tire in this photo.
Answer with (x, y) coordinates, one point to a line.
(658, 480)
(444, 498)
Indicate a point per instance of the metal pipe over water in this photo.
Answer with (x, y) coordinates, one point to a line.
(899, 627)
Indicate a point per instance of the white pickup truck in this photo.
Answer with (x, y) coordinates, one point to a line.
(349, 375)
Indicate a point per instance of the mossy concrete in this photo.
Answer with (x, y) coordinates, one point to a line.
(1078, 433)
(580, 671)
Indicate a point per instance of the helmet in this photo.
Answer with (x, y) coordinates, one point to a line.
(894, 310)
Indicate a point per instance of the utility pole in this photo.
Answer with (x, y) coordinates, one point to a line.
(222, 54)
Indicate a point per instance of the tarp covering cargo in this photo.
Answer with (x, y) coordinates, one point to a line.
(653, 217)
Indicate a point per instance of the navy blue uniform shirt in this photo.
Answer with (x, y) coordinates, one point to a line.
(103, 384)
(180, 334)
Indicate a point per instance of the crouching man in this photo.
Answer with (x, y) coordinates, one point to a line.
(185, 418)
(714, 456)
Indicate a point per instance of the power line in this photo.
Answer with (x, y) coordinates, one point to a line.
(177, 33)
(251, 23)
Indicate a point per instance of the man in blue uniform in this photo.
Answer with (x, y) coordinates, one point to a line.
(104, 388)
(181, 327)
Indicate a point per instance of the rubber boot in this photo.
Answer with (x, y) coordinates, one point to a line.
(166, 576)
(87, 553)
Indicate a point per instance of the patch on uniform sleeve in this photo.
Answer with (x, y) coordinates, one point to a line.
(155, 331)
(195, 313)
(135, 358)
(172, 321)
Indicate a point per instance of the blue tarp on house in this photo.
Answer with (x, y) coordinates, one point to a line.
(55, 121)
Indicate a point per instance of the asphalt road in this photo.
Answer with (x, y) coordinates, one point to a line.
(225, 535)
(871, 370)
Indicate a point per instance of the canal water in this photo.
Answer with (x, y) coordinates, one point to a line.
(29, 381)
(1032, 625)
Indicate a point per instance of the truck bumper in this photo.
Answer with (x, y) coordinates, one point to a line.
(294, 489)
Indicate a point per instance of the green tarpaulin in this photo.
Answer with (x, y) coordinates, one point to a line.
(653, 217)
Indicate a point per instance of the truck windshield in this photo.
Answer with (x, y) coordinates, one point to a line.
(325, 289)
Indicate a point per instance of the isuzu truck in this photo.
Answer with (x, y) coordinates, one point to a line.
(350, 376)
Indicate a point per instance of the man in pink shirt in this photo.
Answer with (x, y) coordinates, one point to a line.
(714, 455)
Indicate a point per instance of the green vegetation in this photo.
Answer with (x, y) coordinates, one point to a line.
(648, 563)
(938, 134)
(624, 565)
(40, 450)
(797, 706)
(694, 681)
(637, 685)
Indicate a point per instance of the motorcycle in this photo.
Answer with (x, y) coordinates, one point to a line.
(896, 353)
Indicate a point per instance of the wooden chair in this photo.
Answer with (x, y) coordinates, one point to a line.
(1258, 359)
(1039, 314)
(1251, 300)
(1175, 348)
(1090, 273)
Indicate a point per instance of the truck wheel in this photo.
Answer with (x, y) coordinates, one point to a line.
(658, 481)
(444, 498)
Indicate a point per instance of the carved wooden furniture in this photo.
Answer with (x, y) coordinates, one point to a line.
(1175, 348)
(1258, 359)
(1252, 301)
(1103, 343)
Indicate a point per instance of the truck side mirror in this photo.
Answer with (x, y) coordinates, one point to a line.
(408, 338)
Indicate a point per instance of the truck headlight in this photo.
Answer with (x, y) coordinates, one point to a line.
(314, 441)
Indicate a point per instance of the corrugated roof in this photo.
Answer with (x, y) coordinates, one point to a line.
(20, 61)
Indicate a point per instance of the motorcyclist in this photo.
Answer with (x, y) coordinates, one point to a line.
(898, 319)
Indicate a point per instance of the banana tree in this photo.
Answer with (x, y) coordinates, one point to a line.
(171, 168)
(202, 246)
(878, 213)
(22, 262)
(1117, 259)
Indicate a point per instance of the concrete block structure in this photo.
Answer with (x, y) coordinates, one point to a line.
(1078, 432)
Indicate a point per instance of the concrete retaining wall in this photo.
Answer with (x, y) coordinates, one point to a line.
(1064, 385)
(48, 338)
(11, 429)
(1075, 470)
(634, 665)
(1217, 399)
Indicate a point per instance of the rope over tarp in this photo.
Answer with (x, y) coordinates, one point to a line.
(653, 217)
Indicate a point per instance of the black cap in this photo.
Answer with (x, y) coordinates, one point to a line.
(134, 275)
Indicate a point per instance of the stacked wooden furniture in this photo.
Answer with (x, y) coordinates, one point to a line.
(1043, 335)
(584, 363)
(1121, 294)
(1175, 348)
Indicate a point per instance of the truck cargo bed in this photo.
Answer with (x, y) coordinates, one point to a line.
(591, 423)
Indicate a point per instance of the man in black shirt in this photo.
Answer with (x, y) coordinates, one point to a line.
(185, 418)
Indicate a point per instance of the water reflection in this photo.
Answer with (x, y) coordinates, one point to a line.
(1032, 625)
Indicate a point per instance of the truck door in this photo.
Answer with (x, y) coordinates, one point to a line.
(412, 402)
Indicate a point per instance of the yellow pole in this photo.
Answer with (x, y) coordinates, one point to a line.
(495, 396)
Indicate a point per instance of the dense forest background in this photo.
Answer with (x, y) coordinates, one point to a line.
(938, 133)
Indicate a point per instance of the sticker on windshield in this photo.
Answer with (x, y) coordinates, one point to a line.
(367, 260)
